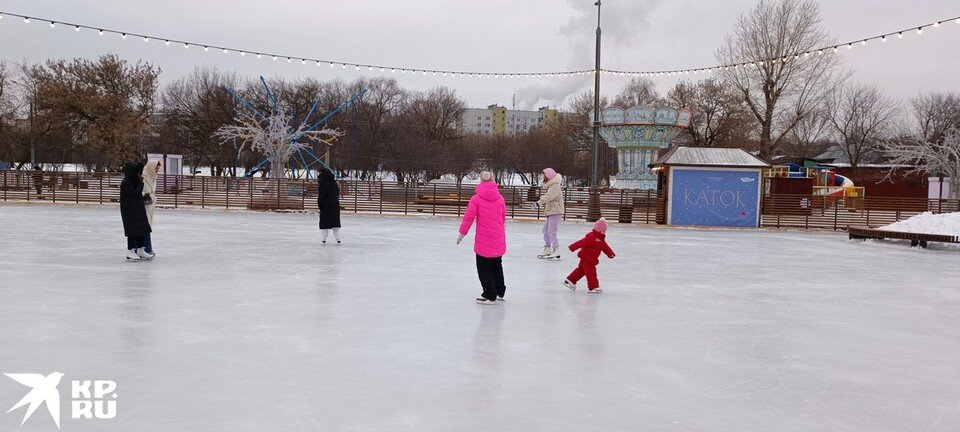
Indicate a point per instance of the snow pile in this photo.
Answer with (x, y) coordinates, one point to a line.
(929, 223)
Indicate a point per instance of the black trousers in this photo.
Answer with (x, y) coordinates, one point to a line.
(490, 272)
(135, 242)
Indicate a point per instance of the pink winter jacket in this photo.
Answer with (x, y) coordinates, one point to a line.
(490, 211)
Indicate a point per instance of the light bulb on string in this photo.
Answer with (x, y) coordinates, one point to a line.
(344, 65)
(26, 20)
(303, 62)
(289, 59)
(900, 35)
(274, 58)
(259, 55)
(123, 35)
(849, 46)
(919, 30)
(167, 43)
(206, 48)
(186, 46)
(77, 28)
(936, 24)
(146, 39)
(883, 39)
(331, 64)
(226, 51)
(52, 24)
(243, 53)
(863, 42)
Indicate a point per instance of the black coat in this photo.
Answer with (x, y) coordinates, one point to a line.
(328, 201)
(132, 210)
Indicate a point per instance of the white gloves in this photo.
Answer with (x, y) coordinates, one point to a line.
(459, 238)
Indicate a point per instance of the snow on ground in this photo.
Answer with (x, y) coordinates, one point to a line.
(929, 223)
(245, 323)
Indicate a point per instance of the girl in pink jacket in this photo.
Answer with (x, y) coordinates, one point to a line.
(487, 207)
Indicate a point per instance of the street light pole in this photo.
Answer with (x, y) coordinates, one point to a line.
(595, 179)
(594, 202)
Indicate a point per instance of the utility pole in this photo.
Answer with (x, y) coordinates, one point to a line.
(594, 210)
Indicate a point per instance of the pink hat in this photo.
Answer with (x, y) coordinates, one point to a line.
(549, 173)
(600, 225)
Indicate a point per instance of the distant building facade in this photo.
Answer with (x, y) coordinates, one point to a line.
(498, 120)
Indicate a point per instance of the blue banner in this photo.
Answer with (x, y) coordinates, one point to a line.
(714, 198)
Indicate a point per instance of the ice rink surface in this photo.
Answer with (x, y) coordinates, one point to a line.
(244, 322)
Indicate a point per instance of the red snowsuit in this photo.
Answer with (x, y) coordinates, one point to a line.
(590, 248)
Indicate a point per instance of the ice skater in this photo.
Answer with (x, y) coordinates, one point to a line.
(552, 204)
(133, 211)
(488, 208)
(590, 248)
(328, 201)
(150, 171)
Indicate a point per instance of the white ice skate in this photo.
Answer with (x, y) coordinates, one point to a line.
(571, 285)
(500, 298)
(546, 251)
(132, 255)
(143, 254)
(596, 290)
(483, 301)
(550, 254)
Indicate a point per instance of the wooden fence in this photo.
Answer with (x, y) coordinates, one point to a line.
(626, 206)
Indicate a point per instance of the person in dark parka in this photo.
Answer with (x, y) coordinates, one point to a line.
(328, 201)
(133, 212)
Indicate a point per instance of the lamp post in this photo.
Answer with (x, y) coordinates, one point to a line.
(594, 210)
(33, 151)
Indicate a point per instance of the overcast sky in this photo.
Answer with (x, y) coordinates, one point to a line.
(504, 35)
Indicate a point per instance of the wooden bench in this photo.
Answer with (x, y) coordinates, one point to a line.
(915, 238)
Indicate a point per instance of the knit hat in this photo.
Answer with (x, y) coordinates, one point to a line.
(600, 225)
(549, 173)
(486, 176)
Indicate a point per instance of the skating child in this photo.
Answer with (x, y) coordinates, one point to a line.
(489, 210)
(590, 248)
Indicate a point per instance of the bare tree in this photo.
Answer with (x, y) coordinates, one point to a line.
(782, 76)
(928, 157)
(935, 113)
(639, 91)
(861, 116)
(809, 138)
(195, 107)
(720, 118)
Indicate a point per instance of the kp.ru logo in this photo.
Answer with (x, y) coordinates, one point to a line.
(89, 399)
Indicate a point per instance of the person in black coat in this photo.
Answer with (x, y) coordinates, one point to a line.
(328, 201)
(133, 212)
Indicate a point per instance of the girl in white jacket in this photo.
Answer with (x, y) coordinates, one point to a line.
(552, 204)
(150, 171)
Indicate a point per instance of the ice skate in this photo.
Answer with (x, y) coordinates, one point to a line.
(571, 285)
(143, 254)
(132, 255)
(481, 300)
(546, 251)
(596, 290)
(500, 298)
(550, 254)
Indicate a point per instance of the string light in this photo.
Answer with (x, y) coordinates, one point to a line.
(497, 75)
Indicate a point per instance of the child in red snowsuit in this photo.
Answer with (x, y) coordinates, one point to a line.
(590, 248)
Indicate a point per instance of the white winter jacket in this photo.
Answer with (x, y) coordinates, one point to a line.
(552, 200)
